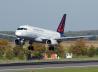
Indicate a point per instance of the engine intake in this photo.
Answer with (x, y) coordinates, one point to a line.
(51, 41)
(19, 41)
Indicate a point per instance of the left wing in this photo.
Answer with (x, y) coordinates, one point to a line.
(8, 35)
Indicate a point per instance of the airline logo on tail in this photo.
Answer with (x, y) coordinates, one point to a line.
(62, 25)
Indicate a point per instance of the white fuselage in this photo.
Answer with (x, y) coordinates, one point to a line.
(36, 33)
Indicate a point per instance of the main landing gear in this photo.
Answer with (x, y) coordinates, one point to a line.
(30, 47)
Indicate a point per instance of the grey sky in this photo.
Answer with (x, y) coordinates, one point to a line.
(81, 14)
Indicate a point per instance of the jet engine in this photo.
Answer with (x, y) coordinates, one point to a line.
(51, 41)
(19, 41)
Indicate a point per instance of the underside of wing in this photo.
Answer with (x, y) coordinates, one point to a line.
(76, 37)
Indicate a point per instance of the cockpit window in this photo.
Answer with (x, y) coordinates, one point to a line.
(22, 29)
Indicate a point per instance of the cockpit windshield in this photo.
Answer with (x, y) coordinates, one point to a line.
(22, 29)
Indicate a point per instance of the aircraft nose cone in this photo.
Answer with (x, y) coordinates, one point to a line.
(18, 33)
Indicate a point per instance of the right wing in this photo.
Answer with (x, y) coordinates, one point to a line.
(76, 37)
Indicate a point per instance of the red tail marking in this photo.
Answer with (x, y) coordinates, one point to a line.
(62, 24)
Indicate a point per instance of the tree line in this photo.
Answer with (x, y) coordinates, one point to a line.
(78, 48)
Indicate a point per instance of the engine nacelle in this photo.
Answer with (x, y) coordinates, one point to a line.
(51, 41)
(19, 41)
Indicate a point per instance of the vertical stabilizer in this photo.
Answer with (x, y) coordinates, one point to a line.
(61, 26)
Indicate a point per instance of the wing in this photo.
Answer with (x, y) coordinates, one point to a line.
(13, 36)
(77, 37)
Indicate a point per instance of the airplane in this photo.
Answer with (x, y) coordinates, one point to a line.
(35, 34)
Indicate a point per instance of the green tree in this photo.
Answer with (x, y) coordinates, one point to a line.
(39, 47)
(9, 53)
(3, 46)
(79, 47)
(91, 51)
(19, 52)
(96, 51)
(60, 51)
(4, 42)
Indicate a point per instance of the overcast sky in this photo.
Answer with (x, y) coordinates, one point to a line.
(81, 14)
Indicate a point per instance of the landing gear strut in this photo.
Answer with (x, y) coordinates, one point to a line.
(30, 47)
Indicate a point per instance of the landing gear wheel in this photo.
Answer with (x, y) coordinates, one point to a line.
(51, 48)
(30, 47)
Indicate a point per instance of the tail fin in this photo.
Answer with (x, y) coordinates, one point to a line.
(62, 25)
